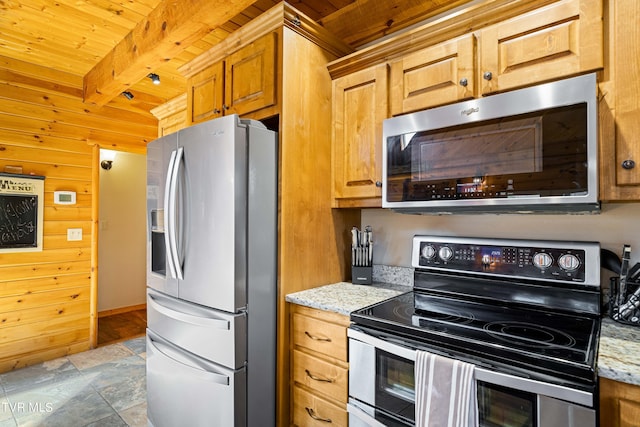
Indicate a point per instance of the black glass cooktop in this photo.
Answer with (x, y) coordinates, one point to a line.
(535, 340)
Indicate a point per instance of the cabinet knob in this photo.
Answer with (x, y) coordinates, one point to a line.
(628, 164)
(216, 111)
(464, 82)
(379, 184)
(487, 75)
(225, 107)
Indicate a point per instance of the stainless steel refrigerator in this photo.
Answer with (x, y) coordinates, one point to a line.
(211, 275)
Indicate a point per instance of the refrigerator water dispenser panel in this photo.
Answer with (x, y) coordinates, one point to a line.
(158, 249)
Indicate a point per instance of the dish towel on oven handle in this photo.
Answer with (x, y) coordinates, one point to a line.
(445, 392)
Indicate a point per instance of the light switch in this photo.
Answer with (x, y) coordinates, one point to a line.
(74, 234)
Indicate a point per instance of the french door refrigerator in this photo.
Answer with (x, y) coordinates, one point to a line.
(211, 275)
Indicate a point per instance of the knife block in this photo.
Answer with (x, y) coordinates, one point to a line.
(361, 275)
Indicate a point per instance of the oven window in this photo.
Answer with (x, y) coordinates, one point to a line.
(504, 407)
(395, 385)
(543, 154)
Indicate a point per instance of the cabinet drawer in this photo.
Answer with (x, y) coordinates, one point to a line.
(327, 338)
(321, 376)
(312, 411)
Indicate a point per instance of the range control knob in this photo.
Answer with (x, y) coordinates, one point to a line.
(569, 262)
(428, 251)
(445, 253)
(542, 260)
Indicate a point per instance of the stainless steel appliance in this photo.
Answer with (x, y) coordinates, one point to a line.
(533, 149)
(525, 313)
(211, 275)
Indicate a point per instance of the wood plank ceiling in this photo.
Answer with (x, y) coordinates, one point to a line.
(84, 39)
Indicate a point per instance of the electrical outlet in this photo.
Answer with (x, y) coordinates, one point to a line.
(74, 234)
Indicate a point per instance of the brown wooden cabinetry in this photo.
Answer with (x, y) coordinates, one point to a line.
(433, 76)
(241, 83)
(172, 115)
(619, 107)
(320, 369)
(491, 47)
(556, 41)
(619, 404)
(359, 107)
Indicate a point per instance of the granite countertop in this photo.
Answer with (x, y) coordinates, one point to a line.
(344, 297)
(619, 352)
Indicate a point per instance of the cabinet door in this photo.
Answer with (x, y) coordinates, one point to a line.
(250, 82)
(619, 404)
(559, 40)
(205, 94)
(437, 75)
(359, 107)
(627, 84)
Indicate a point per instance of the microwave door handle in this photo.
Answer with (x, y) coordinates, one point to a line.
(205, 369)
(167, 214)
(173, 215)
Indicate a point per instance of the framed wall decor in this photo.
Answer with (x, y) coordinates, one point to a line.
(21, 212)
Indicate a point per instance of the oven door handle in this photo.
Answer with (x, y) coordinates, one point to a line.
(363, 416)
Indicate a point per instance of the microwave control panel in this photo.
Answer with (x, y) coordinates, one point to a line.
(540, 260)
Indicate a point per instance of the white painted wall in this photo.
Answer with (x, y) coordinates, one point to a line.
(616, 225)
(122, 236)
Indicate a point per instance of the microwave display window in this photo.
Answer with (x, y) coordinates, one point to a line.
(538, 154)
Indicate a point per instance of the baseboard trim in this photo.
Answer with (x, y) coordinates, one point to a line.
(121, 310)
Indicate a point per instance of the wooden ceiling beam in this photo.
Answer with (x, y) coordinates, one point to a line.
(169, 29)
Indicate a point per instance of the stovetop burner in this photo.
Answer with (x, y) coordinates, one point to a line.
(529, 339)
(529, 335)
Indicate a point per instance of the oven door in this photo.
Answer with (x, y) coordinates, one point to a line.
(382, 389)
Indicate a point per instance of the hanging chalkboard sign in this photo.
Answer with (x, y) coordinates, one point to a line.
(21, 211)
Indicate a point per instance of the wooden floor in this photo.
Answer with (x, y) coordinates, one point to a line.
(120, 327)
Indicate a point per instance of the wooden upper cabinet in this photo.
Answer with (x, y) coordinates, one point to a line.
(559, 40)
(172, 115)
(433, 76)
(359, 107)
(619, 106)
(241, 83)
(250, 77)
(205, 94)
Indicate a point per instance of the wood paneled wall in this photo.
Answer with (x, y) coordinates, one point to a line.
(48, 298)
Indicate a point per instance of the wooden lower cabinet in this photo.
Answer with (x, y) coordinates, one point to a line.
(311, 410)
(619, 404)
(319, 368)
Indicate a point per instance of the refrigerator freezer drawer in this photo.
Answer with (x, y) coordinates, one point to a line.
(185, 390)
(213, 335)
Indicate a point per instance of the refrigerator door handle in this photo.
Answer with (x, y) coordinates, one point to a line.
(192, 362)
(167, 221)
(172, 214)
(181, 316)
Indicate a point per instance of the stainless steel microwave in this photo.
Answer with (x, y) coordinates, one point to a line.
(524, 151)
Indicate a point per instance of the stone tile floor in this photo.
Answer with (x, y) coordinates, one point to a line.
(101, 387)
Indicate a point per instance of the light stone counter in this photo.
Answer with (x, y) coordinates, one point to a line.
(343, 297)
(619, 352)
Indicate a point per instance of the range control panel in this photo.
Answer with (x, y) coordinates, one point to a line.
(576, 262)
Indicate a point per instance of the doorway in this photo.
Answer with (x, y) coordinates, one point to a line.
(122, 247)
